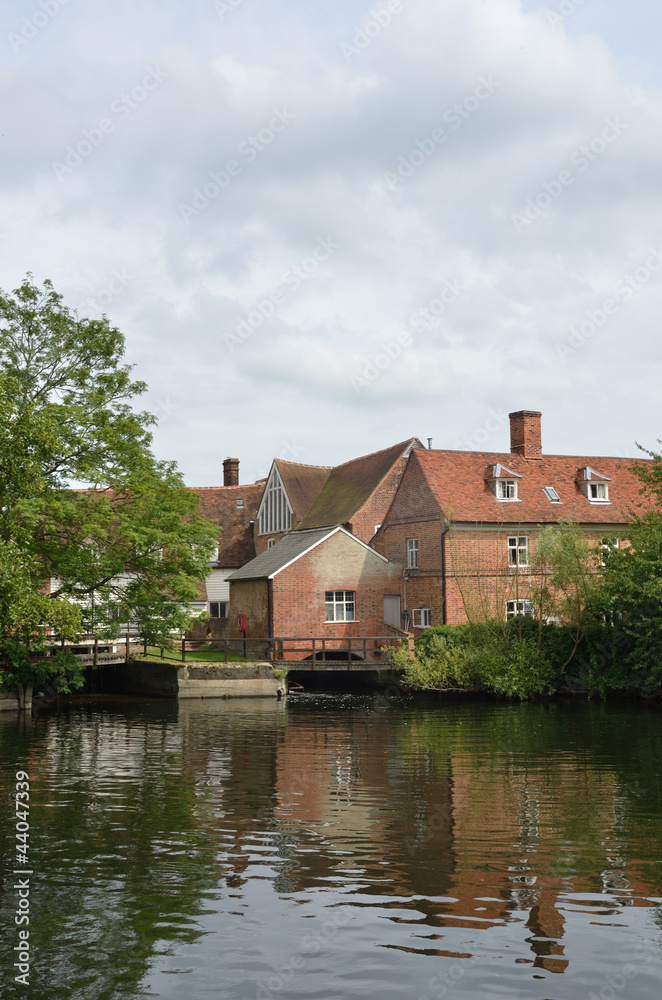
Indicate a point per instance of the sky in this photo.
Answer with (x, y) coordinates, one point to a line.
(324, 227)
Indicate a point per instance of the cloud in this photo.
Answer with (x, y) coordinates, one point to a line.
(480, 106)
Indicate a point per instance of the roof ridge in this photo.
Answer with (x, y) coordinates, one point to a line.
(378, 452)
(303, 465)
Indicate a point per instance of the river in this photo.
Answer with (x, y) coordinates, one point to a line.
(337, 848)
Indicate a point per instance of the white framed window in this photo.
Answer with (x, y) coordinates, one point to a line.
(607, 545)
(515, 608)
(213, 558)
(270, 543)
(240, 502)
(218, 609)
(340, 605)
(275, 512)
(518, 550)
(506, 489)
(412, 553)
(421, 617)
(598, 493)
(551, 494)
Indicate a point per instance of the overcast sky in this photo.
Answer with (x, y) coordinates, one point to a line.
(325, 227)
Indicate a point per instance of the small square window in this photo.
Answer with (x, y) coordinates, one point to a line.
(421, 617)
(608, 545)
(551, 494)
(598, 493)
(412, 553)
(518, 550)
(271, 542)
(515, 608)
(506, 489)
(340, 605)
(240, 502)
(218, 609)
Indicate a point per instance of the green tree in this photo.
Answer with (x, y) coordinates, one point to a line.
(83, 501)
(633, 588)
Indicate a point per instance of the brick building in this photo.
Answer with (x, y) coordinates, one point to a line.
(254, 518)
(462, 524)
(315, 583)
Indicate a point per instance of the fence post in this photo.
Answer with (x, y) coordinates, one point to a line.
(183, 649)
(126, 657)
(225, 647)
(96, 651)
(144, 647)
(365, 649)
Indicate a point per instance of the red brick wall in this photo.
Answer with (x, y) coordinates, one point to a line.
(337, 564)
(249, 597)
(479, 580)
(375, 508)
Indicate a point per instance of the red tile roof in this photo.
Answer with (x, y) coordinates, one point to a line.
(458, 484)
(219, 504)
(348, 486)
(302, 484)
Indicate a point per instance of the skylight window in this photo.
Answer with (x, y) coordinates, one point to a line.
(551, 494)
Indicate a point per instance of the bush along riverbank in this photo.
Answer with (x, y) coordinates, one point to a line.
(523, 658)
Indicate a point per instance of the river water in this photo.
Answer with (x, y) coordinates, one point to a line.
(337, 847)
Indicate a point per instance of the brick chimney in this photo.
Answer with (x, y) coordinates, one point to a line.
(231, 472)
(525, 436)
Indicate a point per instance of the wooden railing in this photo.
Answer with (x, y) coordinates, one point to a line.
(92, 650)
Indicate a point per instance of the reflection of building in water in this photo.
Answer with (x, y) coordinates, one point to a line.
(383, 804)
(385, 814)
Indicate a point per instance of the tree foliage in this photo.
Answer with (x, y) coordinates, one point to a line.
(83, 500)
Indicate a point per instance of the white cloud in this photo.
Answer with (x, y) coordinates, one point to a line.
(350, 123)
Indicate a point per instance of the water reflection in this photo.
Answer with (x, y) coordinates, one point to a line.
(342, 847)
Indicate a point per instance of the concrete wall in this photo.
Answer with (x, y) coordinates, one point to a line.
(199, 680)
(11, 702)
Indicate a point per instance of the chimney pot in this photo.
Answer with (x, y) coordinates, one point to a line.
(231, 472)
(525, 433)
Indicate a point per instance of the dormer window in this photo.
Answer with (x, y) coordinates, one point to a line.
(506, 489)
(503, 482)
(594, 485)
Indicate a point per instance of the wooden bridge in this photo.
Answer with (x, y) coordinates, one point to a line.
(351, 653)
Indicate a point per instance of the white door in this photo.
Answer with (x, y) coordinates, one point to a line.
(392, 610)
